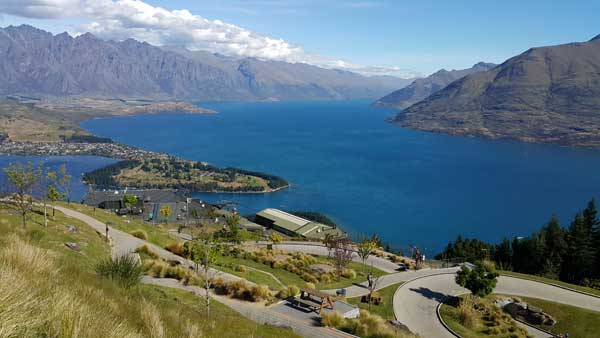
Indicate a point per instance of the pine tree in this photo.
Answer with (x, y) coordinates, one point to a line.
(555, 248)
(590, 215)
(580, 255)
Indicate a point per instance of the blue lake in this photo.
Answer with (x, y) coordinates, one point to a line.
(343, 159)
(76, 167)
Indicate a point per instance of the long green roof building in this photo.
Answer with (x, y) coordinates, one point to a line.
(295, 226)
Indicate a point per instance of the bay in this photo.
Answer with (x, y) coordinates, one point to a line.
(345, 160)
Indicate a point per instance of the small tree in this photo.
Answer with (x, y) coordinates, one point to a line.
(481, 280)
(206, 253)
(23, 180)
(365, 248)
(53, 196)
(129, 201)
(62, 182)
(165, 211)
(342, 254)
(232, 222)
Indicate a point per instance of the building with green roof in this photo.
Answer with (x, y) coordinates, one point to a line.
(295, 226)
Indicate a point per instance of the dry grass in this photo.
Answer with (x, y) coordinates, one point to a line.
(141, 234)
(176, 248)
(37, 306)
(467, 314)
(147, 250)
(366, 325)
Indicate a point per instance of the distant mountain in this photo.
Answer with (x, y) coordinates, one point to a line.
(33, 61)
(548, 94)
(422, 88)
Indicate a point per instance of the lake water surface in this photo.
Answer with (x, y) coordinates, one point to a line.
(344, 160)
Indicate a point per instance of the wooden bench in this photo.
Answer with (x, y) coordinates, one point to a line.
(299, 302)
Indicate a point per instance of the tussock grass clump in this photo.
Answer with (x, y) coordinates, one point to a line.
(125, 270)
(366, 325)
(153, 325)
(146, 249)
(141, 234)
(467, 314)
(310, 285)
(240, 289)
(349, 273)
(176, 248)
(332, 319)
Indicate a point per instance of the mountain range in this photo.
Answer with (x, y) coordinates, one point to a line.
(546, 94)
(36, 62)
(420, 89)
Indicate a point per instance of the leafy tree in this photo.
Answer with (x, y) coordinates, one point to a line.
(129, 201)
(206, 252)
(165, 211)
(365, 248)
(503, 254)
(23, 180)
(195, 215)
(481, 280)
(53, 196)
(62, 182)
(233, 221)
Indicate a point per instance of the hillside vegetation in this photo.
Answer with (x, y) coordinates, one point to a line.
(182, 174)
(49, 290)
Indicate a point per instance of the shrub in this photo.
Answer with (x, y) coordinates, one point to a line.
(146, 249)
(275, 237)
(141, 234)
(125, 270)
(309, 278)
(332, 319)
(293, 290)
(325, 278)
(176, 248)
(260, 292)
(310, 285)
(241, 268)
(349, 273)
(480, 280)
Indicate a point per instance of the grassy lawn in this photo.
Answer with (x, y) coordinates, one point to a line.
(490, 322)
(49, 290)
(552, 281)
(385, 310)
(580, 323)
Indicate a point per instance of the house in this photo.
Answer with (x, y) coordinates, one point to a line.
(295, 226)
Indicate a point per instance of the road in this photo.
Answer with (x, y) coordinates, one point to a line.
(415, 302)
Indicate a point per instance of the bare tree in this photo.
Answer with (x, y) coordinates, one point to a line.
(342, 254)
(23, 180)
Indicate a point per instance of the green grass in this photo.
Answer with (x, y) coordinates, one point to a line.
(228, 263)
(54, 291)
(157, 234)
(580, 323)
(551, 281)
(385, 310)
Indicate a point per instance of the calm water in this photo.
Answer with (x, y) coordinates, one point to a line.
(76, 166)
(344, 160)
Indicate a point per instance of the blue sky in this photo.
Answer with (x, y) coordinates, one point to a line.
(412, 36)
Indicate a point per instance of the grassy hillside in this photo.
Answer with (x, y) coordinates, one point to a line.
(48, 290)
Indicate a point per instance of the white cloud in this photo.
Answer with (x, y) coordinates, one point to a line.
(123, 19)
